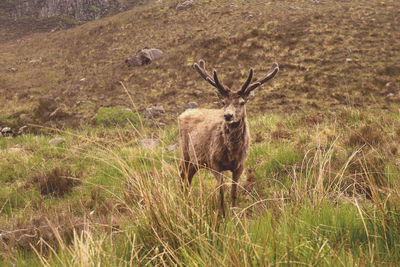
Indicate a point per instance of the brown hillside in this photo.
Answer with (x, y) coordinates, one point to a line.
(331, 53)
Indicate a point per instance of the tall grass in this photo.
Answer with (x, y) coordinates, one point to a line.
(329, 199)
(312, 216)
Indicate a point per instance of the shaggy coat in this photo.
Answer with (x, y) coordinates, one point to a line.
(218, 139)
(207, 141)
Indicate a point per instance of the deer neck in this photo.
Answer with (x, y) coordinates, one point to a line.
(235, 135)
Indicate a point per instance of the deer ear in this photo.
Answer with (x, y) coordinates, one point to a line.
(250, 96)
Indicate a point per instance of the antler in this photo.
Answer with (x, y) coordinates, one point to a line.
(214, 82)
(246, 88)
(246, 84)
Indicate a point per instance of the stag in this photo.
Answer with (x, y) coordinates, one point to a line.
(218, 139)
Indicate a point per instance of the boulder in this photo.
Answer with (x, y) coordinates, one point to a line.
(185, 5)
(6, 131)
(154, 112)
(144, 57)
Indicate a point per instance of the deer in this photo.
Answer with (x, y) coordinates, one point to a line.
(218, 139)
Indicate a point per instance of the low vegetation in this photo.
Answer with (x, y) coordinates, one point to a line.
(315, 195)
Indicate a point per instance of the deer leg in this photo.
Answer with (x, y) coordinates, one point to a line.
(235, 179)
(188, 170)
(220, 181)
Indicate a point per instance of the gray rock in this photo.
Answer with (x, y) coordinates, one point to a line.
(6, 131)
(154, 112)
(12, 69)
(390, 95)
(144, 57)
(185, 5)
(149, 143)
(191, 105)
(56, 141)
(35, 60)
(21, 130)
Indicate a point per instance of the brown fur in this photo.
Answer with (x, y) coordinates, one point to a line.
(218, 139)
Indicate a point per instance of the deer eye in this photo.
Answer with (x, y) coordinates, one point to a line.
(223, 102)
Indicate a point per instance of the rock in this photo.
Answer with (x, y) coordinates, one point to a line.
(390, 95)
(185, 5)
(153, 112)
(348, 60)
(149, 143)
(21, 130)
(35, 60)
(12, 69)
(6, 131)
(191, 105)
(389, 85)
(56, 141)
(173, 147)
(83, 79)
(144, 57)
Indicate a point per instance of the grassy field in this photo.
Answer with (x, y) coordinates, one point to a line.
(321, 191)
(321, 186)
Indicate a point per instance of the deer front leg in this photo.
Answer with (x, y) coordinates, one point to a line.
(220, 181)
(235, 179)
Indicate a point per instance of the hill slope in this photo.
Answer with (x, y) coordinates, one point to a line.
(331, 54)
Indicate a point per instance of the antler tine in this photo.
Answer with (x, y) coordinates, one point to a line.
(201, 70)
(246, 84)
(214, 82)
(272, 72)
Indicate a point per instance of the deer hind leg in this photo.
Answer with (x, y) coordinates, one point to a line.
(235, 179)
(188, 170)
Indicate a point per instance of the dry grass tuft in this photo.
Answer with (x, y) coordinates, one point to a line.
(368, 134)
(57, 182)
(43, 230)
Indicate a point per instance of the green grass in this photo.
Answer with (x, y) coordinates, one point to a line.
(306, 206)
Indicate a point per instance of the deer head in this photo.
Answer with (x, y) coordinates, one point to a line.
(234, 100)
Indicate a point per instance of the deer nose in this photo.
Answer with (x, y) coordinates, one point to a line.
(228, 117)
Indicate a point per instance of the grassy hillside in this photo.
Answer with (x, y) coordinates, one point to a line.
(332, 54)
(322, 180)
